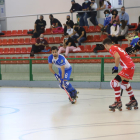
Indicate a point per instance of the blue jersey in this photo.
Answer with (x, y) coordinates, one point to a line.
(60, 61)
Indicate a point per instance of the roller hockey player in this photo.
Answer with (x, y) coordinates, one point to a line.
(128, 68)
(64, 69)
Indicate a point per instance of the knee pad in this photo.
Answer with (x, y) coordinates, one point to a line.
(125, 84)
(114, 83)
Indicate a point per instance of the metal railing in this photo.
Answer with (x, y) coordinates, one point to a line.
(30, 65)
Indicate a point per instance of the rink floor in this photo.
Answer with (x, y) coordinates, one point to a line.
(46, 114)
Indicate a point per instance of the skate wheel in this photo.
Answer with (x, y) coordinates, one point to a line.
(129, 108)
(120, 109)
(112, 110)
(135, 107)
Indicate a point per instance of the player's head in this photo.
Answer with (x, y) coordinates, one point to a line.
(107, 43)
(54, 50)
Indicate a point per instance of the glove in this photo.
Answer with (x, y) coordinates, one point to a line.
(57, 77)
(62, 82)
(115, 70)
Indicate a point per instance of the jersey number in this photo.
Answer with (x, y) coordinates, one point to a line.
(66, 75)
(122, 50)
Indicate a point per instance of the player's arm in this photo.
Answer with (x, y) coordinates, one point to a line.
(117, 61)
(50, 68)
(63, 71)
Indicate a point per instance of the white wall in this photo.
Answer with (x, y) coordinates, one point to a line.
(25, 7)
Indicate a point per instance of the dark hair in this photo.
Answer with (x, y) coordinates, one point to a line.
(135, 32)
(51, 15)
(123, 7)
(101, 3)
(114, 11)
(54, 48)
(68, 25)
(107, 41)
(76, 24)
(116, 25)
(107, 11)
(123, 24)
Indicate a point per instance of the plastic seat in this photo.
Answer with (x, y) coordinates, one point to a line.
(15, 42)
(33, 41)
(133, 24)
(44, 61)
(57, 40)
(10, 42)
(29, 50)
(89, 38)
(4, 34)
(107, 60)
(61, 39)
(71, 60)
(24, 33)
(4, 42)
(78, 60)
(0, 42)
(38, 61)
(27, 41)
(118, 45)
(33, 61)
(48, 31)
(86, 60)
(12, 51)
(23, 50)
(21, 41)
(17, 51)
(19, 33)
(124, 46)
(93, 60)
(82, 49)
(1, 50)
(103, 37)
(25, 61)
(5, 50)
(87, 48)
(14, 33)
(96, 38)
(86, 28)
(91, 29)
(97, 29)
(8, 61)
(19, 61)
(51, 40)
(14, 61)
(2, 62)
(8, 33)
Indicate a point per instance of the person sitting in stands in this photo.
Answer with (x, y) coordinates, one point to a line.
(55, 23)
(40, 45)
(68, 22)
(39, 27)
(68, 45)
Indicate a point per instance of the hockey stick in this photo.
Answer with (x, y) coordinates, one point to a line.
(66, 91)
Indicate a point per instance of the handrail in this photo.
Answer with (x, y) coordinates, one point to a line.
(60, 13)
(30, 65)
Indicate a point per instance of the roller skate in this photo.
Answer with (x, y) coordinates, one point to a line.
(74, 97)
(132, 103)
(116, 105)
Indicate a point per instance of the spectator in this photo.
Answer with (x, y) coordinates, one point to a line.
(106, 21)
(77, 7)
(93, 8)
(40, 45)
(133, 45)
(39, 27)
(68, 22)
(124, 16)
(55, 23)
(122, 32)
(115, 17)
(70, 30)
(68, 45)
(81, 34)
(138, 28)
(114, 30)
(86, 7)
(103, 5)
(130, 37)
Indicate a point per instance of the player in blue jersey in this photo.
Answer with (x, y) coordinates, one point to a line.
(64, 69)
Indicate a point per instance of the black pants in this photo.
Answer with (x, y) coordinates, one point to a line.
(138, 28)
(37, 34)
(35, 49)
(116, 39)
(93, 18)
(1, 33)
(65, 29)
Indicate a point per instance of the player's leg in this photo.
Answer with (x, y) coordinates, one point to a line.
(115, 84)
(68, 86)
(126, 86)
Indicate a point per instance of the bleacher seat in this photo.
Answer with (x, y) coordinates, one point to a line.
(86, 28)
(21, 41)
(107, 60)
(14, 61)
(29, 50)
(2, 62)
(4, 42)
(93, 60)
(124, 46)
(44, 61)
(15, 42)
(57, 40)
(8, 33)
(25, 61)
(51, 40)
(24, 33)
(5, 51)
(33, 41)
(78, 60)
(23, 50)
(27, 41)
(1, 50)
(87, 48)
(71, 60)
(97, 29)
(133, 24)
(91, 29)
(48, 31)
(103, 37)
(11, 51)
(96, 38)
(61, 39)
(86, 60)
(89, 38)
(38, 61)
(8, 61)
(14, 33)
(82, 48)
(19, 61)
(19, 33)
(17, 50)
(10, 42)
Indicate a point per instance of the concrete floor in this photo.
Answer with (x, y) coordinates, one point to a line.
(46, 114)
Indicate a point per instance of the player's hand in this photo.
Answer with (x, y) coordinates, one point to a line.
(115, 70)
(57, 77)
(62, 82)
